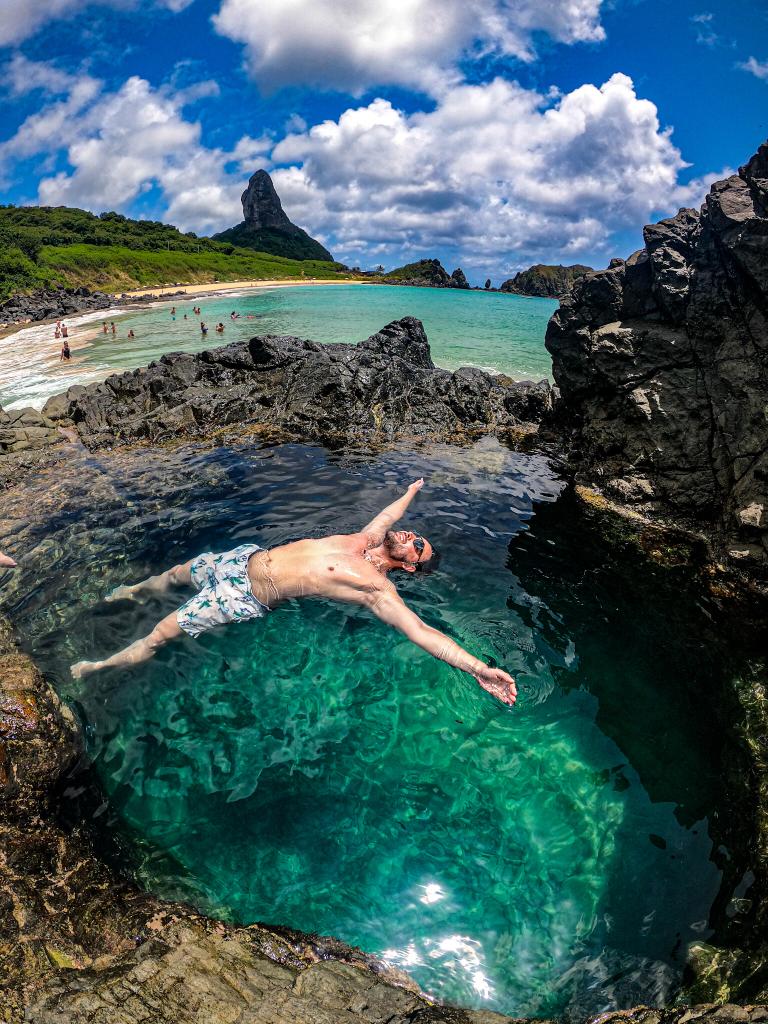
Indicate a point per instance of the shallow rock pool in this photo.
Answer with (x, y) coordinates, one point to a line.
(314, 769)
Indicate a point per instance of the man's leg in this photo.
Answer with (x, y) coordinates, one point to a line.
(178, 576)
(142, 650)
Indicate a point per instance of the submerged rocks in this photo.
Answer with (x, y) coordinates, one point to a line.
(382, 389)
(662, 365)
(47, 304)
(80, 944)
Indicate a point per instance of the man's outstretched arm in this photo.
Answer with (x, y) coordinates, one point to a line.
(388, 516)
(387, 605)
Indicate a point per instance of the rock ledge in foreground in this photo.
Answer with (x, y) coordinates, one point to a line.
(378, 391)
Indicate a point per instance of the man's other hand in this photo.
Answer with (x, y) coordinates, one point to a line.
(498, 683)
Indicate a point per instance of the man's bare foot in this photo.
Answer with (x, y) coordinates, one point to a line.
(6, 562)
(84, 668)
(121, 594)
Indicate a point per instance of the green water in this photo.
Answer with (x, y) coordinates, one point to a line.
(504, 333)
(315, 769)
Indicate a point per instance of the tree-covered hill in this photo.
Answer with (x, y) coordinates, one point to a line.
(43, 246)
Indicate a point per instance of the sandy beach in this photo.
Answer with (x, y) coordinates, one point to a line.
(225, 287)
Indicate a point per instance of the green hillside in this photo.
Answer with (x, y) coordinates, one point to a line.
(43, 246)
(297, 245)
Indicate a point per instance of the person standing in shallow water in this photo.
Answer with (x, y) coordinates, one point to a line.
(249, 581)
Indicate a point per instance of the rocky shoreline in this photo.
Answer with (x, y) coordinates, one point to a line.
(384, 389)
(663, 376)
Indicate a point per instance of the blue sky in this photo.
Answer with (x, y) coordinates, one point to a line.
(490, 133)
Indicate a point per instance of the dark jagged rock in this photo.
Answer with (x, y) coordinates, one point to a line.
(458, 280)
(267, 228)
(488, 284)
(382, 389)
(50, 303)
(662, 364)
(544, 281)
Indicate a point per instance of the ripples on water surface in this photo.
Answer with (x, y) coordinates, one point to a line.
(504, 333)
(315, 769)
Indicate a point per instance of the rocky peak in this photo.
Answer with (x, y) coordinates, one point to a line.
(262, 207)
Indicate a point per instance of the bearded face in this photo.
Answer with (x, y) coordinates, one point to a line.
(406, 546)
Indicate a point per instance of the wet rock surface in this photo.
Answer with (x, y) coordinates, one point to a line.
(662, 365)
(47, 304)
(385, 388)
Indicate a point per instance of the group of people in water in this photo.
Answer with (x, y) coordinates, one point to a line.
(109, 327)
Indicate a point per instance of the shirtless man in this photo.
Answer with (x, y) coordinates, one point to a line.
(248, 582)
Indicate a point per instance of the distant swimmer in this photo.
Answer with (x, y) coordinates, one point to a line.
(64, 331)
(185, 316)
(57, 332)
(65, 353)
(112, 325)
(249, 581)
(203, 328)
(173, 310)
(220, 328)
(131, 334)
(105, 328)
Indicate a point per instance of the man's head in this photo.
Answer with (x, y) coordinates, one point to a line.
(411, 549)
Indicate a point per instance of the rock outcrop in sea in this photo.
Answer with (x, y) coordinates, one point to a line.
(426, 274)
(662, 365)
(267, 228)
(546, 282)
(49, 303)
(382, 389)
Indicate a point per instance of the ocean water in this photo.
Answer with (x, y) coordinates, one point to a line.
(502, 333)
(315, 769)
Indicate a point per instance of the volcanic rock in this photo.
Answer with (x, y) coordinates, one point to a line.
(458, 280)
(384, 388)
(50, 303)
(662, 364)
(545, 281)
(266, 226)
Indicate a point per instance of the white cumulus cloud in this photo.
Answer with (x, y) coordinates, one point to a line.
(496, 173)
(20, 19)
(351, 45)
(120, 144)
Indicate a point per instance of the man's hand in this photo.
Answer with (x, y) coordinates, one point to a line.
(498, 683)
(416, 485)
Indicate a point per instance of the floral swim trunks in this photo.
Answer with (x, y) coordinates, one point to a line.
(224, 591)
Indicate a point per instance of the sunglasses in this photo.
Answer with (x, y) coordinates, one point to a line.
(418, 544)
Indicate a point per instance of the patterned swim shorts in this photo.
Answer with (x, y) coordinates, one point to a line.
(224, 591)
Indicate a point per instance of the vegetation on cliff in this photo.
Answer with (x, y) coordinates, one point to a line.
(551, 282)
(44, 246)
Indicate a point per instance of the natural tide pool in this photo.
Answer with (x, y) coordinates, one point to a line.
(315, 769)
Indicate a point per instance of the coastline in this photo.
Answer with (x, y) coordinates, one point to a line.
(226, 287)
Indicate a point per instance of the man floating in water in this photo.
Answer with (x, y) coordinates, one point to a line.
(249, 581)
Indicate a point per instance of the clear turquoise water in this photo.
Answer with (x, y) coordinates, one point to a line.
(504, 333)
(314, 769)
